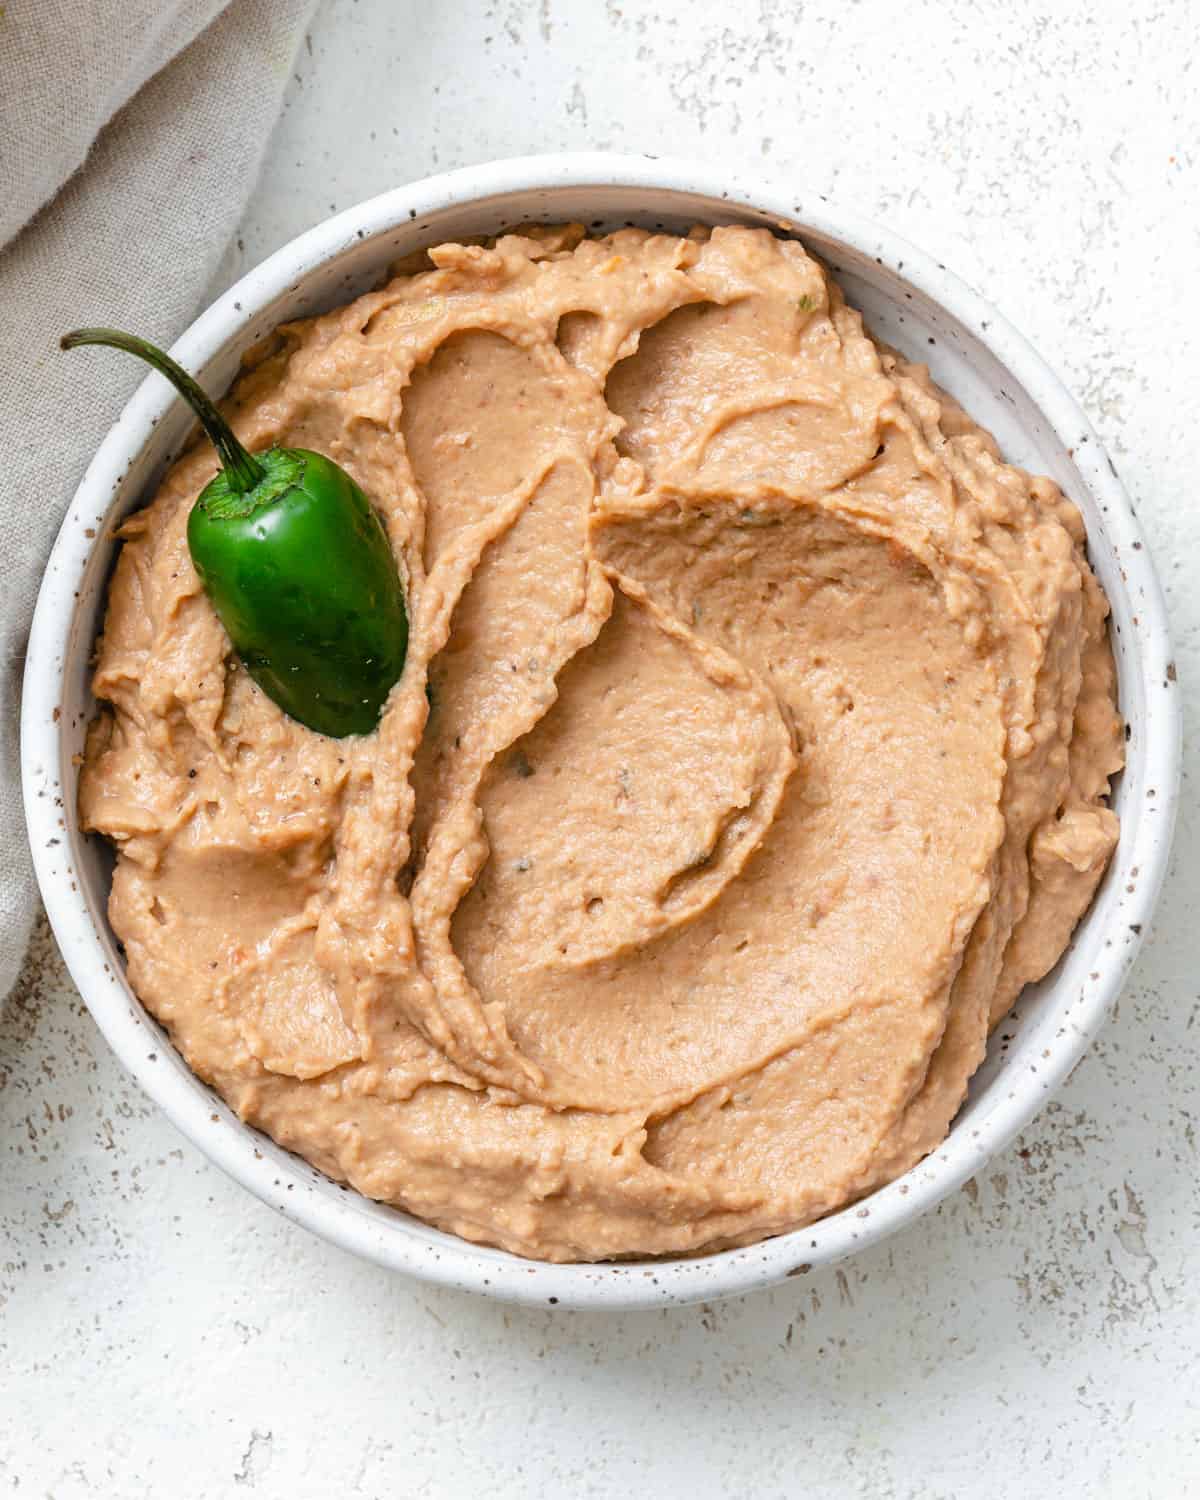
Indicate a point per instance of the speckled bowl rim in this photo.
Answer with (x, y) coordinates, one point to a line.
(396, 1240)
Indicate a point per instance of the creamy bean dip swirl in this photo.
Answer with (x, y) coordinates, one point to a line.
(750, 756)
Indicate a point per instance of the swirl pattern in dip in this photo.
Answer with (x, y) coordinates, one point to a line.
(751, 754)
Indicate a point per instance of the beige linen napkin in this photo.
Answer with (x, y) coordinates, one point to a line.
(131, 135)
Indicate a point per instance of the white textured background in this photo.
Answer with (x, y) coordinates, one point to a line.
(161, 1334)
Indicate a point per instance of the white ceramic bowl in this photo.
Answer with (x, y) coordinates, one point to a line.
(910, 301)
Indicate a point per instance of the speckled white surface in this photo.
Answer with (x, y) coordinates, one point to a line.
(164, 1334)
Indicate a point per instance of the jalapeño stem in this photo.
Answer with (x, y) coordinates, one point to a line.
(242, 470)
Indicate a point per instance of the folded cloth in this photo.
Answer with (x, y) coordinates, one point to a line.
(131, 137)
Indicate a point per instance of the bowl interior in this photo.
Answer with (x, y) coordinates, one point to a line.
(899, 311)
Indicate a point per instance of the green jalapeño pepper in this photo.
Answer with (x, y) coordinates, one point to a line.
(296, 564)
